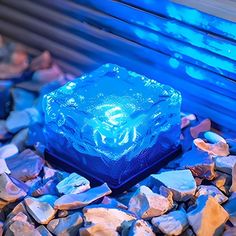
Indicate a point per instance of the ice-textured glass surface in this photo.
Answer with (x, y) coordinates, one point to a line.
(110, 121)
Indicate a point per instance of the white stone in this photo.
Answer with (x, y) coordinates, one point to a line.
(173, 223)
(213, 137)
(233, 186)
(73, 184)
(213, 191)
(76, 201)
(141, 228)
(146, 204)
(100, 229)
(208, 217)
(180, 182)
(8, 150)
(225, 164)
(66, 226)
(41, 209)
(4, 167)
(111, 217)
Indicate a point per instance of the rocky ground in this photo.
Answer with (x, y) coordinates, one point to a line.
(193, 195)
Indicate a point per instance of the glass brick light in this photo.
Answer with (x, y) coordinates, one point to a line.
(112, 124)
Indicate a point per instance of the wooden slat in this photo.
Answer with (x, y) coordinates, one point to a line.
(224, 9)
(190, 16)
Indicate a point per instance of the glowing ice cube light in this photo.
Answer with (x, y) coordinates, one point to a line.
(112, 123)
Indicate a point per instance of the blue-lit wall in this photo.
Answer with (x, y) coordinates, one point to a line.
(192, 51)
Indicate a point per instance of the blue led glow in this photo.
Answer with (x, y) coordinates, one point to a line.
(112, 116)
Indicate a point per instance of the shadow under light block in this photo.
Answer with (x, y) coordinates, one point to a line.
(112, 124)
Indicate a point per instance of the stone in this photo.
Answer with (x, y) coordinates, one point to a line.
(113, 202)
(216, 149)
(230, 232)
(111, 217)
(50, 172)
(225, 164)
(73, 184)
(1, 228)
(204, 126)
(184, 122)
(115, 106)
(3, 167)
(232, 146)
(43, 231)
(147, 204)
(233, 186)
(200, 163)
(22, 99)
(19, 208)
(76, 201)
(41, 62)
(27, 165)
(62, 213)
(20, 139)
(41, 209)
(211, 190)
(180, 182)
(9, 192)
(97, 230)
(222, 182)
(173, 223)
(19, 228)
(140, 228)
(45, 186)
(18, 120)
(208, 217)
(66, 226)
(4, 134)
(9, 150)
(212, 137)
(48, 75)
(230, 207)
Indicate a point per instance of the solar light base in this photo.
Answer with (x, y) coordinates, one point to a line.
(62, 163)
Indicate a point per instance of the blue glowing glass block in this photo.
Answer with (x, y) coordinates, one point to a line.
(112, 123)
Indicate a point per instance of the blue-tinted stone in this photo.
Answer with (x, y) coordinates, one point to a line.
(113, 119)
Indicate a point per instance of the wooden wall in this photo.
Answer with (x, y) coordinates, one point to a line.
(190, 50)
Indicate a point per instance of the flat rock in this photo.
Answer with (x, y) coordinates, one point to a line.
(20, 139)
(216, 149)
(204, 126)
(41, 209)
(225, 164)
(9, 191)
(208, 217)
(4, 134)
(76, 201)
(111, 217)
(19, 208)
(146, 204)
(140, 228)
(3, 167)
(222, 181)
(173, 223)
(199, 163)
(73, 184)
(212, 137)
(113, 202)
(230, 207)
(45, 186)
(1, 228)
(43, 231)
(66, 226)
(98, 230)
(27, 165)
(233, 186)
(180, 182)
(19, 228)
(230, 232)
(213, 191)
(18, 120)
(8, 150)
